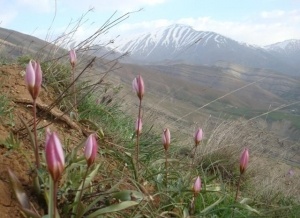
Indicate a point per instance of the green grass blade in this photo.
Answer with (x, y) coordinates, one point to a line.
(113, 208)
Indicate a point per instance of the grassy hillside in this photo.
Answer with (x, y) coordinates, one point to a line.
(216, 160)
(159, 183)
(217, 91)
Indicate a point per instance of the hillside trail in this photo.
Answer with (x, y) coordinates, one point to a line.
(20, 159)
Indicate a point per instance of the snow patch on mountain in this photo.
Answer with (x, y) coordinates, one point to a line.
(184, 44)
(286, 46)
(176, 36)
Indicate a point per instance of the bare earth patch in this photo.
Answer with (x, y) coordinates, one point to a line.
(20, 159)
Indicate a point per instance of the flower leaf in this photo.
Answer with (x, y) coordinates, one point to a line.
(21, 195)
(113, 208)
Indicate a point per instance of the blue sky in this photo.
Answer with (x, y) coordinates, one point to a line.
(259, 22)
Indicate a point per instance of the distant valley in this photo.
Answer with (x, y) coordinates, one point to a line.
(186, 69)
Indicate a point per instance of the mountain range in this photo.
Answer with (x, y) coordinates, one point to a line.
(181, 43)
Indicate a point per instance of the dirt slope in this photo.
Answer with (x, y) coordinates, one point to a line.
(20, 159)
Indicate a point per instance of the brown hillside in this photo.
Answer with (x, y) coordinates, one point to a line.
(20, 159)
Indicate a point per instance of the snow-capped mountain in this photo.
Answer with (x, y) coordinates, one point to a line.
(287, 51)
(286, 47)
(180, 42)
(183, 43)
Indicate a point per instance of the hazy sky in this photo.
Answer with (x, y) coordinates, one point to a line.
(257, 22)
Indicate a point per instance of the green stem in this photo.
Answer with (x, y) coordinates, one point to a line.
(36, 152)
(36, 182)
(166, 169)
(192, 206)
(238, 187)
(73, 86)
(193, 161)
(138, 139)
(194, 155)
(51, 210)
(55, 199)
(81, 191)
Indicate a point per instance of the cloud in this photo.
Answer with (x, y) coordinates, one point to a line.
(112, 5)
(144, 26)
(7, 13)
(272, 14)
(41, 6)
(280, 15)
(7, 17)
(260, 33)
(265, 28)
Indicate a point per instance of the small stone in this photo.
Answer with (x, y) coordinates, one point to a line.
(22, 73)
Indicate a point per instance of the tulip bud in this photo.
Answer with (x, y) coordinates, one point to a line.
(291, 173)
(166, 139)
(138, 126)
(197, 186)
(198, 136)
(138, 86)
(91, 148)
(33, 78)
(244, 160)
(54, 156)
(73, 57)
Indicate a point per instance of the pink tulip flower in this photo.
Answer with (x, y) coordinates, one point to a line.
(91, 148)
(198, 136)
(54, 156)
(197, 186)
(73, 58)
(166, 139)
(138, 86)
(138, 126)
(291, 173)
(33, 78)
(244, 160)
